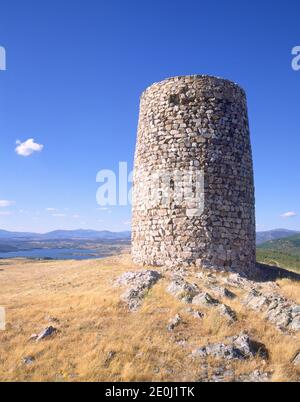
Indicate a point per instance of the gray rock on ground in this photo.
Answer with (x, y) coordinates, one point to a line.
(204, 299)
(283, 313)
(195, 313)
(190, 293)
(109, 358)
(182, 290)
(174, 322)
(139, 283)
(227, 374)
(222, 292)
(255, 376)
(44, 334)
(28, 360)
(296, 359)
(240, 347)
(138, 278)
(227, 312)
(239, 281)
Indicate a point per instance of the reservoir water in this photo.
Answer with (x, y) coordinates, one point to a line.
(55, 253)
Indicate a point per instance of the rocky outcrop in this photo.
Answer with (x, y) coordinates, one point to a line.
(282, 312)
(138, 284)
(238, 281)
(220, 291)
(205, 300)
(182, 290)
(139, 278)
(190, 293)
(255, 376)
(240, 347)
(227, 374)
(227, 312)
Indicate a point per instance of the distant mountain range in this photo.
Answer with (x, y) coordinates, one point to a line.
(80, 234)
(289, 244)
(262, 237)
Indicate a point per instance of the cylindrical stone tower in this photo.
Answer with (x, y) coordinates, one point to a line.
(193, 194)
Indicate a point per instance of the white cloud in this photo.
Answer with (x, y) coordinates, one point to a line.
(59, 215)
(6, 203)
(28, 147)
(127, 223)
(289, 214)
(5, 213)
(76, 216)
(51, 209)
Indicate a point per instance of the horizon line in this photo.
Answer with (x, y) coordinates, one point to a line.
(114, 231)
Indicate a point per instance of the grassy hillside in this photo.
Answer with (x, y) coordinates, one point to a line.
(282, 252)
(100, 340)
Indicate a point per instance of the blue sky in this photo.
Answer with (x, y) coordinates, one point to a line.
(76, 69)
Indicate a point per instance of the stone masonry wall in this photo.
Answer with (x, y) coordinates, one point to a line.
(192, 124)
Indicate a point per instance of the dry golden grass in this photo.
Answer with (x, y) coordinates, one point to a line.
(100, 340)
(290, 289)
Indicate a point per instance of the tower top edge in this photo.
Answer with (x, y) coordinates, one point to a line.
(188, 79)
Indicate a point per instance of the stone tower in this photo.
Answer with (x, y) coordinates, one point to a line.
(193, 197)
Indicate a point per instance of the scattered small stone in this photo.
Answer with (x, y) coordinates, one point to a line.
(182, 342)
(28, 360)
(46, 333)
(174, 322)
(109, 358)
(195, 313)
(198, 314)
(296, 359)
